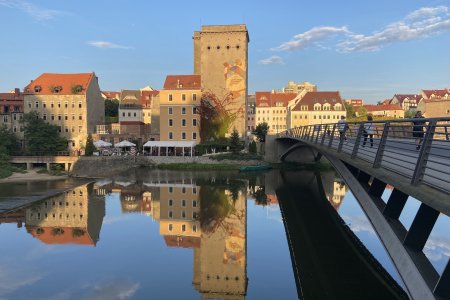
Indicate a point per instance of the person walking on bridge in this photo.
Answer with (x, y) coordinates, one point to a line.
(418, 128)
(342, 127)
(368, 131)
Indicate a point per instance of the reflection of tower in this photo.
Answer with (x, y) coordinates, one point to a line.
(74, 217)
(16, 216)
(220, 264)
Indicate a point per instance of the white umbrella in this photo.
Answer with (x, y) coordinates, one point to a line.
(101, 143)
(124, 143)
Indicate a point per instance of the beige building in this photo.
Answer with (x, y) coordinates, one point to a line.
(73, 217)
(316, 108)
(73, 102)
(434, 108)
(298, 87)
(178, 108)
(221, 58)
(11, 111)
(406, 101)
(272, 108)
(443, 94)
(386, 110)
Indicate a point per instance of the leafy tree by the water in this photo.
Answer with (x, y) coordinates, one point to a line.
(260, 196)
(8, 141)
(41, 137)
(362, 111)
(350, 110)
(261, 131)
(216, 115)
(252, 147)
(235, 143)
(90, 148)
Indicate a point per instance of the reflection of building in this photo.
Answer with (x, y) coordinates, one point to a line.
(74, 217)
(178, 214)
(220, 264)
(17, 216)
(337, 195)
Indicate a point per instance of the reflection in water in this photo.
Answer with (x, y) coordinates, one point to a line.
(73, 217)
(203, 215)
(207, 215)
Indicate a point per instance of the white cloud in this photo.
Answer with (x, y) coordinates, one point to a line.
(437, 248)
(421, 23)
(311, 37)
(115, 289)
(273, 60)
(107, 45)
(40, 14)
(14, 277)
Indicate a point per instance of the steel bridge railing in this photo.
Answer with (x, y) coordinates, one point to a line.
(418, 149)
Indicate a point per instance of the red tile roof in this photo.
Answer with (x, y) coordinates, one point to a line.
(371, 108)
(66, 82)
(147, 96)
(312, 98)
(65, 236)
(17, 95)
(269, 99)
(182, 82)
(437, 93)
(386, 101)
(402, 97)
(182, 241)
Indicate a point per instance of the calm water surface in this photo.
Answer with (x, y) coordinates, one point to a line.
(170, 235)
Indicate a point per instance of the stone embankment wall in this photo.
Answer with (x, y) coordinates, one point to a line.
(105, 166)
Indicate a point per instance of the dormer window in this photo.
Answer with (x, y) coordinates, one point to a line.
(56, 89)
(77, 89)
(37, 88)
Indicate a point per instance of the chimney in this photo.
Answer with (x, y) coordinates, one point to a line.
(17, 91)
(178, 83)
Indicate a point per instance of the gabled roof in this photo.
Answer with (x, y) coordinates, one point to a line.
(436, 93)
(269, 99)
(66, 82)
(322, 98)
(147, 95)
(130, 97)
(403, 97)
(371, 108)
(182, 241)
(182, 82)
(65, 235)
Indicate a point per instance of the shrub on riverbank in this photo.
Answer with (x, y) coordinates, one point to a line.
(237, 156)
(196, 166)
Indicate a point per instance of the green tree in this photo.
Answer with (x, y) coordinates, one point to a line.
(261, 131)
(216, 115)
(252, 147)
(41, 137)
(8, 141)
(350, 110)
(90, 148)
(111, 108)
(235, 143)
(362, 112)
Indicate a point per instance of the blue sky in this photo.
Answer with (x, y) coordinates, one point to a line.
(364, 49)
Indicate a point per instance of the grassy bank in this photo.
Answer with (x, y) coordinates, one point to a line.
(8, 170)
(197, 166)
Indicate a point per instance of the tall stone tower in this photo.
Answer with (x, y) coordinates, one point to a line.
(221, 58)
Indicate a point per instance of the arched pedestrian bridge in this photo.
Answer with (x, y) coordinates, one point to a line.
(368, 166)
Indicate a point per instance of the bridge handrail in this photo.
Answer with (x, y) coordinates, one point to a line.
(417, 148)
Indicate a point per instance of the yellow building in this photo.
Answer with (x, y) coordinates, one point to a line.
(385, 110)
(178, 108)
(298, 87)
(73, 217)
(221, 58)
(316, 108)
(73, 102)
(406, 101)
(272, 108)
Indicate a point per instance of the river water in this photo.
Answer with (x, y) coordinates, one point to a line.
(191, 235)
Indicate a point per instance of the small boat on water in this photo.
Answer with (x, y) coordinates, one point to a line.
(255, 168)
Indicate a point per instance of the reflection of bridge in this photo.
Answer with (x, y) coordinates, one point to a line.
(329, 261)
(393, 159)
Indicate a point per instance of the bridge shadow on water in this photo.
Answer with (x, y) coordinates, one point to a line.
(328, 260)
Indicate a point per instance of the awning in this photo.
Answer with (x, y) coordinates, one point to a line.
(101, 143)
(178, 144)
(124, 144)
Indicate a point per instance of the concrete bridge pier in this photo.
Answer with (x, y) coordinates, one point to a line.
(67, 167)
(48, 166)
(29, 166)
